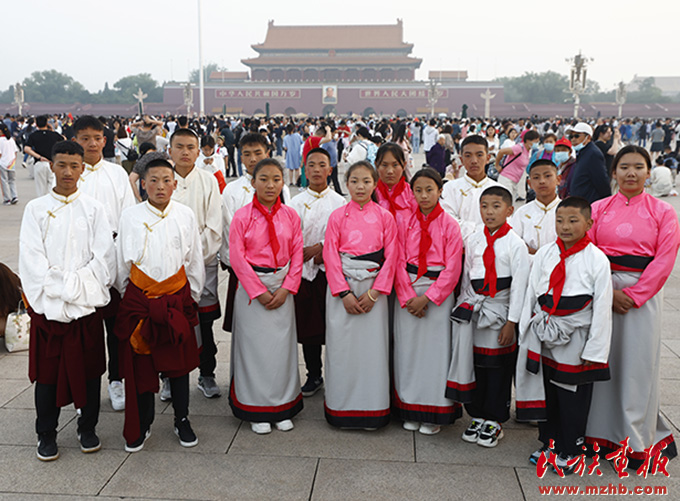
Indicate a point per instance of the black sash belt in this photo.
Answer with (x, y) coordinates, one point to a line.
(632, 262)
(264, 269)
(566, 305)
(377, 257)
(412, 268)
(501, 284)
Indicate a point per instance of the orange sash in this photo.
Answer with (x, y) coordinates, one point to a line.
(152, 290)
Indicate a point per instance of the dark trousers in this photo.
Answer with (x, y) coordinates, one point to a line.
(567, 413)
(334, 180)
(112, 348)
(48, 413)
(179, 388)
(231, 163)
(491, 396)
(312, 354)
(209, 349)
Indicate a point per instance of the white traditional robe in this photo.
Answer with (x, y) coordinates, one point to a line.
(66, 256)
(535, 223)
(109, 184)
(460, 198)
(159, 244)
(314, 210)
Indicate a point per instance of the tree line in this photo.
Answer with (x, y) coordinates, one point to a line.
(52, 86)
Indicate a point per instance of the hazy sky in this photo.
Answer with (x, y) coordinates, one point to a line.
(96, 41)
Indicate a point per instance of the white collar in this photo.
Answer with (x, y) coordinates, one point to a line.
(475, 183)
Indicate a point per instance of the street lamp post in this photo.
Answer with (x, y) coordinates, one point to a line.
(19, 96)
(200, 64)
(433, 94)
(577, 81)
(621, 94)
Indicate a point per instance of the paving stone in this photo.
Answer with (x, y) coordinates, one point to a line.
(315, 438)
(14, 389)
(74, 473)
(341, 480)
(212, 476)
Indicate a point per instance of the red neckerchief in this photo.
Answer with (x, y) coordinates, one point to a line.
(558, 275)
(396, 191)
(489, 257)
(269, 216)
(425, 237)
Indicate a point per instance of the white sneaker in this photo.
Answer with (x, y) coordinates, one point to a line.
(411, 425)
(429, 429)
(491, 433)
(261, 428)
(166, 394)
(285, 425)
(117, 395)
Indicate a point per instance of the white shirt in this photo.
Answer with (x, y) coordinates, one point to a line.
(237, 194)
(200, 192)
(8, 151)
(66, 256)
(429, 137)
(535, 223)
(159, 244)
(512, 260)
(217, 163)
(314, 210)
(662, 181)
(586, 272)
(460, 198)
(109, 184)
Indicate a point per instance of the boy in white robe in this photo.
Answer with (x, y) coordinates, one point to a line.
(66, 264)
(535, 221)
(489, 307)
(161, 275)
(108, 183)
(198, 189)
(565, 334)
(314, 206)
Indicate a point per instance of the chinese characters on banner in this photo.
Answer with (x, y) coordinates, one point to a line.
(258, 94)
(653, 461)
(398, 94)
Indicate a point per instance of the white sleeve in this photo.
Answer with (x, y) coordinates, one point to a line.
(599, 336)
(122, 265)
(193, 260)
(519, 262)
(227, 216)
(89, 285)
(211, 235)
(530, 296)
(33, 262)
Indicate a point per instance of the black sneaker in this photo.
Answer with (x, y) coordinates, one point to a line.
(187, 437)
(89, 441)
(563, 462)
(47, 447)
(471, 434)
(536, 455)
(491, 433)
(311, 386)
(138, 444)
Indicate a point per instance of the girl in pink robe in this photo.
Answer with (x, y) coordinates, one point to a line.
(265, 251)
(360, 253)
(640, 235)
(428, 269)
(393, 192)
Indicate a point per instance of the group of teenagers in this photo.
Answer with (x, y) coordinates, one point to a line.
(429, 297)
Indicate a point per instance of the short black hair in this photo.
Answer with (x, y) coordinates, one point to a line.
(429, 173)
(208, 141)
(41, 121)
(253, 138)
(542, 161)
(319, 150)
(498, 191)
(146, 147)
(184, 133)
(157, 162)
(531, 135)
(182, 121)
(579, 203)
(474, 139)
(67, 148)
(87, 122)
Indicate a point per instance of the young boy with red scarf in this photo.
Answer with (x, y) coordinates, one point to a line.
(492, 294)
(565, 333)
